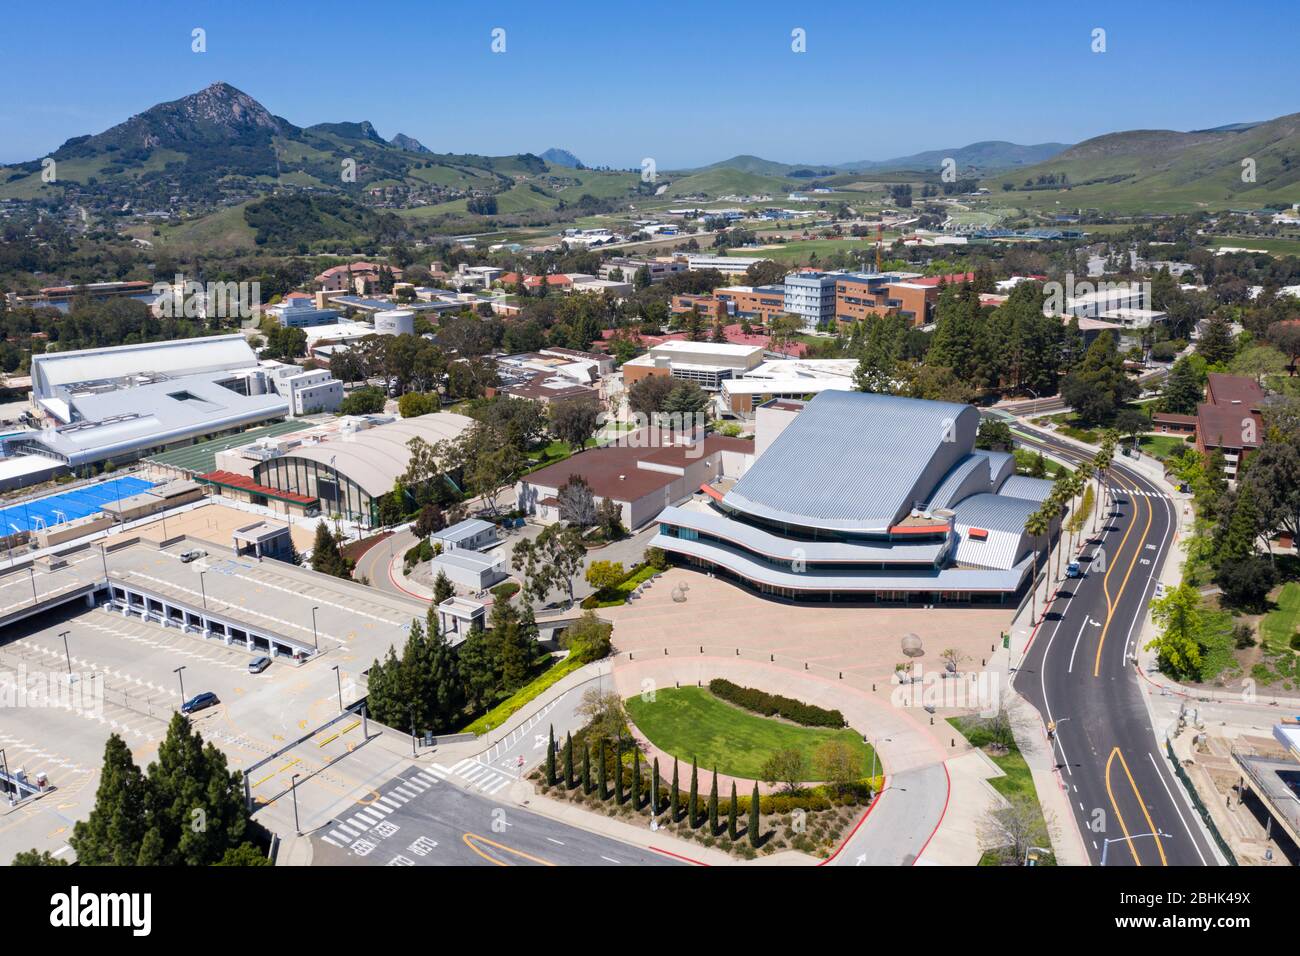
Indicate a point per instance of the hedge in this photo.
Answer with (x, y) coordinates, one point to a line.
(768, 705)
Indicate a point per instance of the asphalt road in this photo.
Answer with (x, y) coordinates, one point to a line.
(419, 819)
(1078, 672)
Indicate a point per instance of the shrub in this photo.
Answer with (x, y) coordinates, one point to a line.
(768, 705)
(506, 590)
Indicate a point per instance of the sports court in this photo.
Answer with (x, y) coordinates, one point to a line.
(68, 505)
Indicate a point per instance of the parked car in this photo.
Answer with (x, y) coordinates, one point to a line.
(258, 664)
(189, 556)
(200, 702)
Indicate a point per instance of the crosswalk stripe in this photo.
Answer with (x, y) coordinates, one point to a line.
(362, 825)
(348, 830)
(329, 838)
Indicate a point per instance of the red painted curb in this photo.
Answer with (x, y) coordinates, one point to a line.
(884, 785)
(678, 856)
(946, 798)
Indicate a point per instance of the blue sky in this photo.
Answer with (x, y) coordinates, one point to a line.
(685, 83)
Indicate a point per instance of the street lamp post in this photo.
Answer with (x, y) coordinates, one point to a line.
(339, 679)
(9, 788)
(32, 574)
(293, 789)
(180, 677)
(314, 639)
(204, 588)
(66, 654)
(1107, 841)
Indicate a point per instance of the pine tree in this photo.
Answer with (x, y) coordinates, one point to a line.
(754, 835)
(442, 588)
(568, 761)
(693, 801)
(733, 824)
(112, 834)
(636, 778)
(1182, 391)
(586, 768)
(674, 796)
(550, 757)
(601, 769)
(620, 797)
(713, 804)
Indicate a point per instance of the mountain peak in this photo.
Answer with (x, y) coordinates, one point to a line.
(562, 157)
(409, 143)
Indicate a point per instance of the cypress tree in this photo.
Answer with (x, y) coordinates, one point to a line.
(654, 789)
(586, 768)
(550, 758)
(753, 817)
(568, 761)
(733, 829)
(693, 802)
(620, 797)
(713, 804)
(674, 796)
(636, 778)
(601, 774)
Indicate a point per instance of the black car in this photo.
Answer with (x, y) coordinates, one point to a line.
(200, 702)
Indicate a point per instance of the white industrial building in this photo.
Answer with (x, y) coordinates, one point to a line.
(121, 403)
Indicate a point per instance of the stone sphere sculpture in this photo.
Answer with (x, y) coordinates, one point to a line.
(912, 645)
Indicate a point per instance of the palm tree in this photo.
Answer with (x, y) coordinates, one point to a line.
(1055, 505)
(1036, 524)
(1100, 467)
(1078, 486)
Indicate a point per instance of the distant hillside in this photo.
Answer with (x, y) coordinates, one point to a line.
(562, 157)
(983, 156)
(221, 144)
(988, 155)
(1167, 170)
(409, 143)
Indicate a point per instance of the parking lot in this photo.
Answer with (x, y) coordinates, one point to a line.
(124, 671)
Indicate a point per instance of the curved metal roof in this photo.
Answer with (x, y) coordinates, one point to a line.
(374, 458)
(853, 461)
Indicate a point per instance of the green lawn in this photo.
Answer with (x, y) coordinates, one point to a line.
(1279, 624)
(690, 723)
(1161, 446)
(1019, 780)
(498, 714)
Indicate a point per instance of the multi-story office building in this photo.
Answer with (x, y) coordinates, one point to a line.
(811, 296)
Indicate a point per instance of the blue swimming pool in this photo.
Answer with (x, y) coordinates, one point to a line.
(69, 505)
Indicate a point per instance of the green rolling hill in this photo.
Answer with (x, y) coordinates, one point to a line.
(1168, 171)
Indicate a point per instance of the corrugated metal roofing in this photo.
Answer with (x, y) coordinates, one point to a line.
(969, 476)
(375, 458)
(1004, 520)
(1023, 486)
(53, 370)
(202, 457)
(856, 462)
